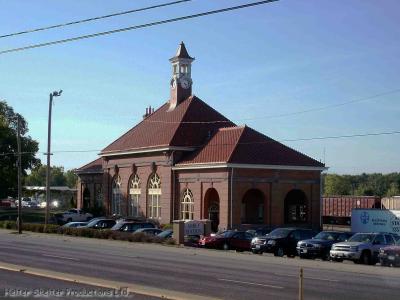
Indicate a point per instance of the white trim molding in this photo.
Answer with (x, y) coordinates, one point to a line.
(145, 150)
(246, 166)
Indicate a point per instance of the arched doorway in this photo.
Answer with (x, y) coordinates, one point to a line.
(252, 209)
(211, 208)
(86, 198)
(295, 207)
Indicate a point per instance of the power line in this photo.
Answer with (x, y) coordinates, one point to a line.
(395, 91)
(92, 19)
(211, 12)
(248, 143)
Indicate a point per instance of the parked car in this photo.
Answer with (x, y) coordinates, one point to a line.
(320, 245)
(73, 215)
(74, 224)
(100, 223)
(259, 231)
(166, 234)
(236, 240)
(149, 231)
(131, 226)
(281, 241)
(390, 255)
(362, 247)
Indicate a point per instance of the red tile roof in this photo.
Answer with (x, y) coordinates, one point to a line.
(165, 128)
(243, 145)
(95, 166)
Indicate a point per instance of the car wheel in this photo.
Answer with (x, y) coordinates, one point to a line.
(279, 252)
(255, 251)
(337, 259)
(384, 263)
(365, 258)
(325, 256)
(225, 246)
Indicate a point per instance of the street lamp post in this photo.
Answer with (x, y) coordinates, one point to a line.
(53, 94)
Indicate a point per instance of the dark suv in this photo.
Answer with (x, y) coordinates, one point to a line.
(101, 223)
(281, 241)
(320, 245)
(131, 226)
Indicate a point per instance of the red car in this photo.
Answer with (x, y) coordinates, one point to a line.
(390, 255)
(236, 240)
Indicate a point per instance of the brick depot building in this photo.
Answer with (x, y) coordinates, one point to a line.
(186, 161)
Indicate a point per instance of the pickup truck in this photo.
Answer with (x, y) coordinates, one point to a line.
(73, 215)
(362, 247)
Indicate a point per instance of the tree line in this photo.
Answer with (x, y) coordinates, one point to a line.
(376, 184)
(33, 172)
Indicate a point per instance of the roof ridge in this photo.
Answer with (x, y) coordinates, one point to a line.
(283, 145)
(232, 127)
(237, 141)
(130, 129)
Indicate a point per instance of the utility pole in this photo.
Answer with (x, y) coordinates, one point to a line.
(19, 174)
(53, 94)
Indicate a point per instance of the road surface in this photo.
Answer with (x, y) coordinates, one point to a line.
(190, 273)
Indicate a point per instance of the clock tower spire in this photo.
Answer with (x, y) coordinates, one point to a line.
(181, 82)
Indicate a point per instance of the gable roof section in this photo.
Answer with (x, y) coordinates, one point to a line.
(243, 145)
(95, 166)
(164, 128)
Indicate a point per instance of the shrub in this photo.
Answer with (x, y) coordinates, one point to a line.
(169, 241)
(166, 226)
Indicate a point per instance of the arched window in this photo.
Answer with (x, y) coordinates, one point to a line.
(134, 194)
(116, 200)
(154, 197)
(187, 205)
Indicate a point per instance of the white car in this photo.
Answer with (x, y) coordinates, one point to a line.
(74, 215)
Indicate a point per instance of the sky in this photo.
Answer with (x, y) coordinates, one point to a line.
(256, 66)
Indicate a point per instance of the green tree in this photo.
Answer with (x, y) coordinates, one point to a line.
(38, 176)
(336, 185)
(71, 178)
(8, 150)
(393, 190)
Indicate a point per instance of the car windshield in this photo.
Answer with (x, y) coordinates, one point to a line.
(118, 225)
(328, 236)
(279, 233)
(226, 234)
(165, 233)
(362, 237)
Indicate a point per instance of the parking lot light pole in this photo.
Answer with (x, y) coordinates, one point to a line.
(53, 94)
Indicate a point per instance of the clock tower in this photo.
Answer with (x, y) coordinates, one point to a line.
(181, 82)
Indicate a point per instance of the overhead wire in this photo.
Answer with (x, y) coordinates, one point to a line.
(93, 19)
(394, 91)
(247, 143)
(135, 27)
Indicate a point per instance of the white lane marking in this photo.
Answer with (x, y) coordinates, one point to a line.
(252, 283)
(62, 257)
(307, 277)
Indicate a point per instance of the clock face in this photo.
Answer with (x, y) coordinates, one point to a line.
(185, 83)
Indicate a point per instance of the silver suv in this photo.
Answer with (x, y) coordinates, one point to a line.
(361, 247)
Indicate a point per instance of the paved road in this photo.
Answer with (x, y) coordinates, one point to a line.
(18, 285)
(216, 274)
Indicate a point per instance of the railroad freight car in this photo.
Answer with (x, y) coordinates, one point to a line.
(337, 209)
(391, 203)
